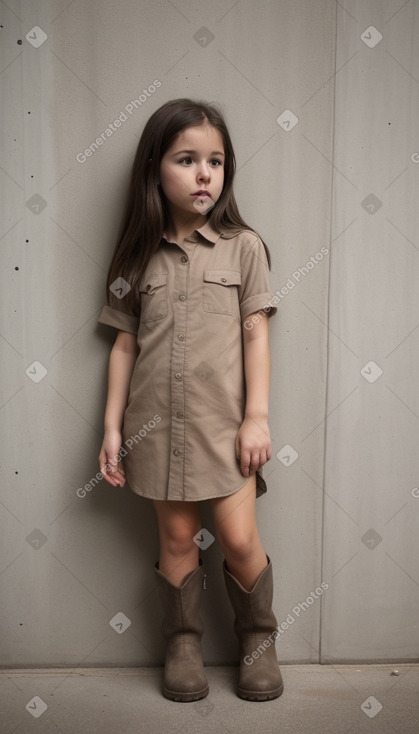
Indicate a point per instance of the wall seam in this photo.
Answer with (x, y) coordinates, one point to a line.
(322, 552)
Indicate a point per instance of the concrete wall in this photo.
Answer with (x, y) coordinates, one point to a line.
(322, 113)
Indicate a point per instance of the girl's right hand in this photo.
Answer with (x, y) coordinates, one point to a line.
(108, 459)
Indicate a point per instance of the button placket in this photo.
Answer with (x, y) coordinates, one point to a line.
(177, 438)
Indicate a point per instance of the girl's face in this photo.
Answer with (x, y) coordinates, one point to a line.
(193, 164)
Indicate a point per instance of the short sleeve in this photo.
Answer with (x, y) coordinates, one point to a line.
(119, 319)
(254, 292)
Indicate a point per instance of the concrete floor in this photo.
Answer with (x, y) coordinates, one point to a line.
(318, 699)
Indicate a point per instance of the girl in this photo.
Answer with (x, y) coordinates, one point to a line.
(186, 417)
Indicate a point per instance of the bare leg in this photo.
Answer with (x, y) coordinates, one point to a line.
(238, 535)
(178, 523)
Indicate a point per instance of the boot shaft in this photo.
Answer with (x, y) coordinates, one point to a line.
(181, 604)
(253, 609)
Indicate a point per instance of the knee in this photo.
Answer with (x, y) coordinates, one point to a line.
(240, 546)
(178, 540)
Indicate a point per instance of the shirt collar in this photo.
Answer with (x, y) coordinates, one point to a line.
(207, 231)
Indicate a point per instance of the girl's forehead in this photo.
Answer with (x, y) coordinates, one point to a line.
(203, 135)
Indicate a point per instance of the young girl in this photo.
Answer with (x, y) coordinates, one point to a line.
(187, 411)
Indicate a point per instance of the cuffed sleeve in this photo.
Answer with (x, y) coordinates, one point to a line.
(119, 319)
(254, 293)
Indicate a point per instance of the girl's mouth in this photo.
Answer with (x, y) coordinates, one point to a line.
(203, 203)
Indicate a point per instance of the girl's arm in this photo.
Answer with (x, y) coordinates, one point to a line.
(121, 364)
(253, 442)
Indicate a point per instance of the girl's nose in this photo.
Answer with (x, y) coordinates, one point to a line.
(203, 172)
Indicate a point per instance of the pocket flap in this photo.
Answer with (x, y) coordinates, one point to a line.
(152, 281)
(223, 277)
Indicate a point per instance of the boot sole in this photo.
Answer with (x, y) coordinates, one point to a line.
(260, 695)
(185, 697)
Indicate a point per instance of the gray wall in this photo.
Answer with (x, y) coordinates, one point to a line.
(342, 506)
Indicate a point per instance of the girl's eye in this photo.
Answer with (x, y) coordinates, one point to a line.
(188, 160)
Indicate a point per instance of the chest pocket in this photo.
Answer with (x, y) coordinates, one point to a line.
(220, 288)
(153, 290)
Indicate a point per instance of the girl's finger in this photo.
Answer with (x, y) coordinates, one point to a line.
(254, 461)
(110, 473)
(263, 457)
(119, 478)
(245, 462)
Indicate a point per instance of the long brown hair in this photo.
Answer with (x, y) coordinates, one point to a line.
(145, 215)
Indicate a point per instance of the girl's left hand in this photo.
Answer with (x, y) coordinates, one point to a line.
(253, 445)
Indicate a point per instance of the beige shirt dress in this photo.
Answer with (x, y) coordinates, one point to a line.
(187, 393)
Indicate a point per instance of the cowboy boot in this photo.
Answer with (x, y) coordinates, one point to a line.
(184, 678)
(256, 628)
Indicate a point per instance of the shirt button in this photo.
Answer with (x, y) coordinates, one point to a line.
(179, 414)
(184, 259)
(224, 280)
(181, 337)
(178, 375)
(182, 297)
(177, 452)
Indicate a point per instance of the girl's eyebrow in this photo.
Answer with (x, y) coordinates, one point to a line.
(214, 152)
